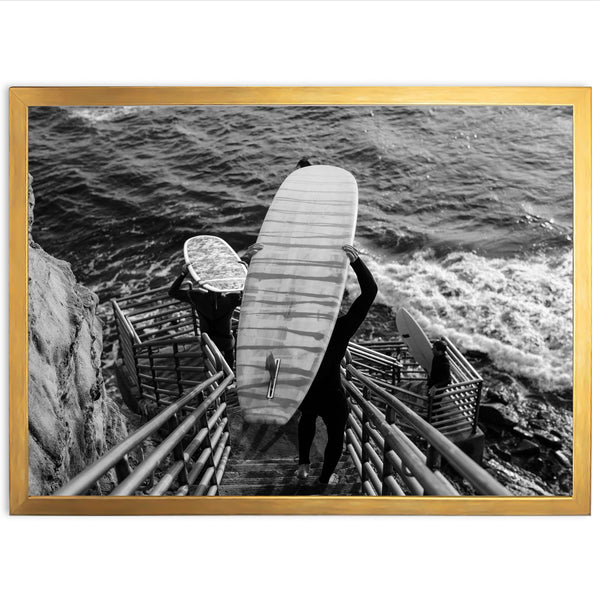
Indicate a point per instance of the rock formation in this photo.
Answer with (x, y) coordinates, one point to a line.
(71, 420)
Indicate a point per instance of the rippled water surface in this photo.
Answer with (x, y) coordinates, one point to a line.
(465, 212)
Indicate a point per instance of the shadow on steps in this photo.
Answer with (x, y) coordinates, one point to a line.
(264, 460)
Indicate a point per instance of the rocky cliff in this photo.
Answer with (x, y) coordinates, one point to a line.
(71, 420)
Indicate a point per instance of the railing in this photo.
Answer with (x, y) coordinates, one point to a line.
(389, 462)
(161, 352)
(153, 314)
(192, 454)
(454, 411)
(166, 369)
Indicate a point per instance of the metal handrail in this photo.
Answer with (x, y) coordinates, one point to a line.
(91, 474)
(395, 374)
(169, 342)
(431, 484)
(162, 288)
(481, 480)
(137, 477)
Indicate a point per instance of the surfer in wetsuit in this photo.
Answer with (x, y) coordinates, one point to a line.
(439, 377)
(214, 310)
(326, 396)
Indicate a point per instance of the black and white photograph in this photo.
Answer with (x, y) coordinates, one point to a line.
(333, 300)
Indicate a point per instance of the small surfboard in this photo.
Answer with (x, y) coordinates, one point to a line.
(214, 264)
(293, 291)
(414, 337)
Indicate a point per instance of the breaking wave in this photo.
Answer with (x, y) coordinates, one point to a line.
(516, 310)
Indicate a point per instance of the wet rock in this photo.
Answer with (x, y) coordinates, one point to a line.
(493, 397)
(523, 432)
(526, 448)
(563, 459)
(548, 439)
(497, 415)
(502, 394)
(500, 452)
(536, 464)
(477, 355)
(71, 420)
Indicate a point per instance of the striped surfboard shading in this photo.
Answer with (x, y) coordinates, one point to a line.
(294, 290)
(214, 264)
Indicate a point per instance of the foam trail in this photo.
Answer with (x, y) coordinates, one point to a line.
(516, 310)
(98, 114)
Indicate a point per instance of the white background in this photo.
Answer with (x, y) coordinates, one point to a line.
(293, 43)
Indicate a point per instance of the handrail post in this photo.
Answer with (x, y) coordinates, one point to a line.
(477, 404)
(123, 469)
(390, 419)
(195, 322)
(434, 458)
(153, 371)
(179, 453)
(140, 394)
(210, 463)
(364, 439)
(177, 367)
(226, 431)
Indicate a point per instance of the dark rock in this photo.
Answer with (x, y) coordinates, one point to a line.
(502, 394)
(526, 448)
(548, 439)
(523, 432)
(496, 414)
(536, 464)
(500, 452)
(493, 397)
(562, 458)
(477, 354)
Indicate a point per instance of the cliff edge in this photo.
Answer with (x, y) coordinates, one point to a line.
(71, 420)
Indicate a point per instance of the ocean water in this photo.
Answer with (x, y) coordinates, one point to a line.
(465, 213)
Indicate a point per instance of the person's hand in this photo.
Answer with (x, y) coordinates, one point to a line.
(186, 269)
(252, 250)
(351, 252)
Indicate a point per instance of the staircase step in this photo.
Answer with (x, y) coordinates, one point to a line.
(288, 489)
(267, 469)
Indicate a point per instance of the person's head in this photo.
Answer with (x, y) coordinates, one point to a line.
(439, 348)
(303, 162)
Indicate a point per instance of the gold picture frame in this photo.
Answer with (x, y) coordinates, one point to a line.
(21, 98)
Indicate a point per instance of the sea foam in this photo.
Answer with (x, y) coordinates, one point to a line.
(97, 114)
(516, 310)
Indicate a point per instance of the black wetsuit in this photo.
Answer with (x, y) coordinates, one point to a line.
(440, 372)
(214, 312)
(326, 397)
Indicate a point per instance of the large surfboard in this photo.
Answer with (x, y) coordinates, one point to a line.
(294, 290)
(414, 337)
(214, 264)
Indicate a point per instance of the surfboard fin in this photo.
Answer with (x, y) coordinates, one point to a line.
(272, 365)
